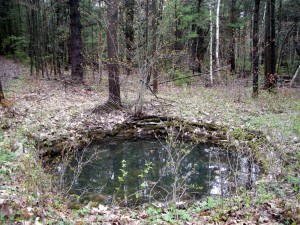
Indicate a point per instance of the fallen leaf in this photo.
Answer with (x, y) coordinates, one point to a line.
(5, 210)
(143, 215)
(204, 213)
(25, 214)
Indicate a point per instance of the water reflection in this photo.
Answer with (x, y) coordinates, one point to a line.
(205, 170)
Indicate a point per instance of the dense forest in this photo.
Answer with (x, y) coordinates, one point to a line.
(173, 38)
(75, 72)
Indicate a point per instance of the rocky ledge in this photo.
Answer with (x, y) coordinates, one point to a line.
(149, 126)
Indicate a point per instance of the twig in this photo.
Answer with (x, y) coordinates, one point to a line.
(194, 75)
(294, 77)
(154, 93)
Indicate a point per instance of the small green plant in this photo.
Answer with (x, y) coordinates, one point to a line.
(241, 135)
(6, 156)
(124, 172)
(121, 180)
(168, 217)
(172, 215)
(182, 78)
(147, 169)
(83, 211)
(155, 215)
(133, 215)
(2, 217)
(296, 124)
(151, 211)
(295, 182)
(210, 203)
(184, 215)
(263, 194)
(179, 214)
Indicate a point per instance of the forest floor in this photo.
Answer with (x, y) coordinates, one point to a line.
(51, 108)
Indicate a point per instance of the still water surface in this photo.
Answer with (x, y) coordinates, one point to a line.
(148, 174)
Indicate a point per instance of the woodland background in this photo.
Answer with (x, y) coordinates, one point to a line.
(68, 67)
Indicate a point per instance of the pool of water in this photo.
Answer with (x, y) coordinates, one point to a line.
(140, 171)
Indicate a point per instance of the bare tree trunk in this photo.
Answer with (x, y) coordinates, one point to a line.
(1, 92)
(147, 70)
(199, 45)
(278, 37)
(283, 44)
(100, 56)
(270, 49)
(232, 44)
(218, 37)
(295, 76)
(178, 32)
(129, 32)
(210, 44)
(112, 45)
(255, 55)
(76, 42)
(267, 42)
(30, 52)
(263, 29)
(101, 50)
(147, 31)
(144, 67)
(273, 45)
(154, 43)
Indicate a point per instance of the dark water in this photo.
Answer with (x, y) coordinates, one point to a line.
(149, 173)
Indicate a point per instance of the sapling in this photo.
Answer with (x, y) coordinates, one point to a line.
(177, 149)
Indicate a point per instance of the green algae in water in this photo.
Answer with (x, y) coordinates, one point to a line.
(140, 171)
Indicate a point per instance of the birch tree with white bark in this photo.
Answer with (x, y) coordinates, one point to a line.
(218, 37)
(211, 43)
